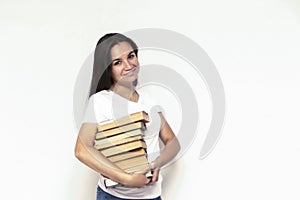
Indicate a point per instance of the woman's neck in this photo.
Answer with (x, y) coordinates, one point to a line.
(127, 92)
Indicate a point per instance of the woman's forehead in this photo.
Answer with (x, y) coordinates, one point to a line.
(121, 49)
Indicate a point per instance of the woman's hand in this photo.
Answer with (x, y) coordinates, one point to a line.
(138, 179)
(155, 172)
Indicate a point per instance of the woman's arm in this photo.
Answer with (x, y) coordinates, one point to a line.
(172, 147)
(87, 154)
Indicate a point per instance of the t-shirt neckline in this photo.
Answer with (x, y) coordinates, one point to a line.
(139, 99)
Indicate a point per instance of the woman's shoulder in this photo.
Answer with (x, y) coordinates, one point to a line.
(101, 96)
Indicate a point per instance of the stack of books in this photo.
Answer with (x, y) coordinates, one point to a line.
(121, 141)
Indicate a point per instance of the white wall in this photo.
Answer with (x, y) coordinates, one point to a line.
(254, 44)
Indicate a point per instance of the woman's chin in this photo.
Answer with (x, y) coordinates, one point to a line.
(131, 78)
(129, 81)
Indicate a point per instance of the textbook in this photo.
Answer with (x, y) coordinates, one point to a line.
(122, 142)
(128, 155)
(111, 151)
(130, 163)
(118, 137)
(138, 116)
(137, 168)
(110, 143)
(118, 130)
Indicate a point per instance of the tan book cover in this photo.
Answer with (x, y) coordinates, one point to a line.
(132, 162)
(118, 130)
(118, 142)
(123, 148)
(128, 155)
(137, 168)
(138, 116)
(118, 137)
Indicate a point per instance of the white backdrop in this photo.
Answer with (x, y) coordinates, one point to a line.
(254, 44)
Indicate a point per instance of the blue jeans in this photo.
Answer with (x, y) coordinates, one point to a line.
(102, 195)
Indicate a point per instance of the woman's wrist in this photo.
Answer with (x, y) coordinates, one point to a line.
(155, 165)
(124, 178)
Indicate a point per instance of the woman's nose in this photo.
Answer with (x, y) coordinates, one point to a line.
(127, 65)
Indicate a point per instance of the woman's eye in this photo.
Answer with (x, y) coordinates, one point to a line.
(117, 63)
(132, 55)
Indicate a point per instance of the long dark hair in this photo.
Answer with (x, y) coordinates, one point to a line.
(102, 75)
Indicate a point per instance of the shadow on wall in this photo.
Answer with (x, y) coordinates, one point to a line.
(83, 183)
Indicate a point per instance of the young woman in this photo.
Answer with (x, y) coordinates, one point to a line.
(113, 94)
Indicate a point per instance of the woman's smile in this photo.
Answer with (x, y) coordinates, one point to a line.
(125, 64)
(131, 72)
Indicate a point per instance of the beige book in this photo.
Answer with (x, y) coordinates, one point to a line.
(127, 155)
(138, 168)
(118, 130)
(132, 162)
(134, 117)
(116, 138)
(118, 142)
(123, 148)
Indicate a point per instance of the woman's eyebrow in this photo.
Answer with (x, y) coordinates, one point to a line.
(118, 59)
(131, 52)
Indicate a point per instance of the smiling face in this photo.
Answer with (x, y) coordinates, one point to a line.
(125, 64)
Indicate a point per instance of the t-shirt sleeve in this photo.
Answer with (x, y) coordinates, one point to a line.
(153, 102)
(90, 116)
(92, 112)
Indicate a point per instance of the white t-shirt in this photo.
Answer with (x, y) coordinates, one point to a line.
(107, 105)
